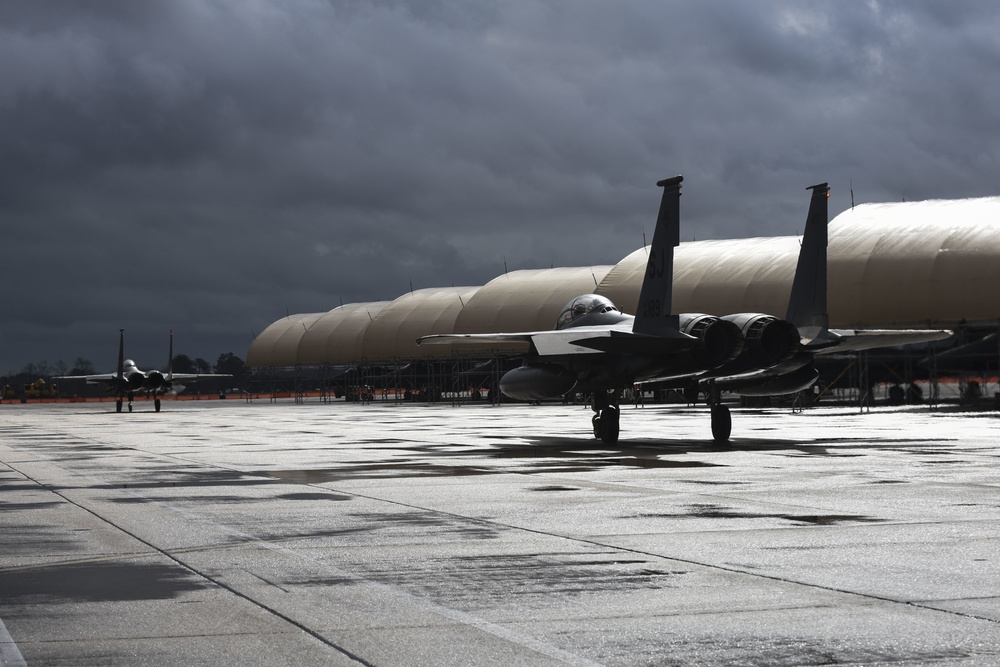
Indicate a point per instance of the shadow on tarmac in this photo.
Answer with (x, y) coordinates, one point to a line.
(98, 582)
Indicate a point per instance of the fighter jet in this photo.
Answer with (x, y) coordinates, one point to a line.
(129, 379)
(597, 349)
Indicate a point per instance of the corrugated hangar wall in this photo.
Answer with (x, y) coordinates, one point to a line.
(916, 264)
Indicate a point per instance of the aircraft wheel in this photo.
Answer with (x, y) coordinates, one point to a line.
(130, 407)
(118, 406)
(722, 423)
(156, 404)
(596, 422)
(609, 426)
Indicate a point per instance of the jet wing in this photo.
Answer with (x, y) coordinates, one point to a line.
(102, 378)
(198, 376)
(481, 341)
(576, 340)
(546, 343)
(111, 378)
(630, 344)
(477, 339)
(857, 340)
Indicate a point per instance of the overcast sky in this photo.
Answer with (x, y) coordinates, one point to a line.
(208, 166)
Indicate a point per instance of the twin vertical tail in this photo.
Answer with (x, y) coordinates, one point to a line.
(807, 308)
(654, 316)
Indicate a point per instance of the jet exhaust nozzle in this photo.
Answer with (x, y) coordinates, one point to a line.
(154, 380)
(768, 340)
(719, 340)
(536, 382)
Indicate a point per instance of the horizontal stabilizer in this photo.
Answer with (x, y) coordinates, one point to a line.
(764, 384)
(857, 340)
(107, 378)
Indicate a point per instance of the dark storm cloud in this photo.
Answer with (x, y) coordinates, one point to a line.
(209, 166)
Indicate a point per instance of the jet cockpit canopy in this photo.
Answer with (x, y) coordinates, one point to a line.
(589, 309)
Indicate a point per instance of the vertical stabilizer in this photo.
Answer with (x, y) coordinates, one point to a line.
(807, 308)
(170, 357)
(653, 316)
(121, 355)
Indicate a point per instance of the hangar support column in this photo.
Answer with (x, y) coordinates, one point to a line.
(866, 392)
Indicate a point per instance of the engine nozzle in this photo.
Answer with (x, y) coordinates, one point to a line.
(768, 340)
(135, 381)
(719, 341)
(154, 380)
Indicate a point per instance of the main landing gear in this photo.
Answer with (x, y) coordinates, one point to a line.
(722, 421)
(606, 416)
(121, 400)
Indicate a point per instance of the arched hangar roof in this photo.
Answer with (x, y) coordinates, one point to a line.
(393, 334)
(277, 345)
(338, 336)
(933, 263)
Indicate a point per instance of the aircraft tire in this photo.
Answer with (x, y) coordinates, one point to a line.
(596, 422)
(156, 404)
(130, 406)
(118, 406)
(610, 425)
(722, 423)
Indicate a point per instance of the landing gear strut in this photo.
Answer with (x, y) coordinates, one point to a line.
(722, 421)
(606, 416)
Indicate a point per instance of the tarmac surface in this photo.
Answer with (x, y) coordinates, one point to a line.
(217, 533)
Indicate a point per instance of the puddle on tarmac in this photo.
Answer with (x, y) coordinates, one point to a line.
(312, 496)
(699, 511)
(372, 471)
(553, 488)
